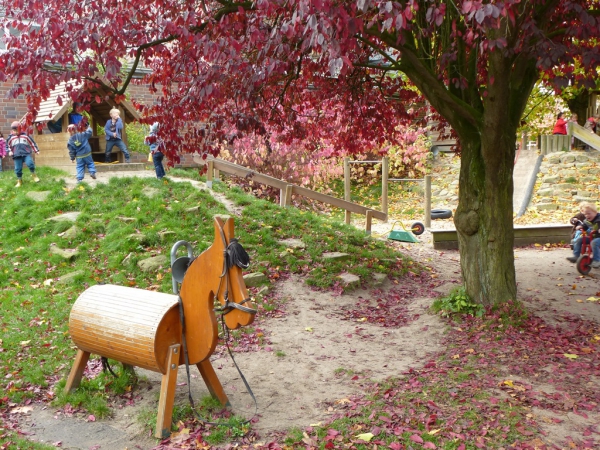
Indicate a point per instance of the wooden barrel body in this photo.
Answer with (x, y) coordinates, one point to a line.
(129, 325)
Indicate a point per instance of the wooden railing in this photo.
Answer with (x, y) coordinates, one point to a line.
(287, 190)
(562, 143)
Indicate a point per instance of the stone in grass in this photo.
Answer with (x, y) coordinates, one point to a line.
(67, 253)
(255, 279)
(127, 219)
(66, 217)
(164, 235)
(69, 277)
(292, 243)
(69, 234)
(38, 196)
(379, 278)
(336, 256)
(349, 280)
(263, 291)
(138, 237)
(153, 264)
(151, 192)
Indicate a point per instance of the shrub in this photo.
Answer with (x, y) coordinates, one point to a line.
(458, 302)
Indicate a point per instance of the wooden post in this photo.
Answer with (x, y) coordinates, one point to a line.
(427, 201)
(77, 370)
(368, 222)
(385, 169)
(65, 122)
(286, 196)
(209, 174)
(347, 186)
(212, 382)
(167, 394)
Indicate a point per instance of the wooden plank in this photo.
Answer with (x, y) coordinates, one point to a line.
(240, 171)
(167, 394)
(339, 203)
(212, 382)
(77, 370)
(524, 235)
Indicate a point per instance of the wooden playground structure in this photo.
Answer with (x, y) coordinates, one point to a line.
(53, 146)
(143, 328)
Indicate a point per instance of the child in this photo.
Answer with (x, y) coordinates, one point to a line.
(591, 225)
(21, 147)
(155, 145)
(80, 150)
(576, 232)
(2, 149)
(113, 130)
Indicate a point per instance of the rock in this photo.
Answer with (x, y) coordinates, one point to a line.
(292, 243)
(127, 219)
(151, 192)
(581, 158)
(255, 279)
(263, 291)
(70, 277)
(67, 253)
(336, 256)
(567, 158)
(153, 264)
(379, 278)
(165, 235)
(66, 217)
(349, 280)
(70, 234)
(551, 180)
(138, 237)
(546, 206)
(38, 196)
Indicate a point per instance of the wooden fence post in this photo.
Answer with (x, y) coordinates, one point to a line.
(385, 170)
(286, 196)
(209, 175)
(347, 187)
(369, 221)
(427, 201)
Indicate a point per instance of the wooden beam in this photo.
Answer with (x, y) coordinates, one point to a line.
(240, 171)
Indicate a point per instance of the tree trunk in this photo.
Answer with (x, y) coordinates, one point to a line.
(484, 217)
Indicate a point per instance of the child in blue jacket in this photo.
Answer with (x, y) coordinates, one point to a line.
(80, 150)
(155, 146)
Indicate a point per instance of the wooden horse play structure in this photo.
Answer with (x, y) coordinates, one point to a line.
(143, 328)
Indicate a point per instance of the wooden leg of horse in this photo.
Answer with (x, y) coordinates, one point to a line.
(77, 370)
(167, 394)
(212, 382)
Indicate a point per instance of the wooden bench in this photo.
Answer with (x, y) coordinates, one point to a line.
(524, 235)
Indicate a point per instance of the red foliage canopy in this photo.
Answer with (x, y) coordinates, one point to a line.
(332, 75)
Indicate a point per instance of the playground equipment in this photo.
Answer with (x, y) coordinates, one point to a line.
(584, 262)
(160, 332)
(404, 235)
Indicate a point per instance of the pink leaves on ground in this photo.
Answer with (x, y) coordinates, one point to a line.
(390, 309)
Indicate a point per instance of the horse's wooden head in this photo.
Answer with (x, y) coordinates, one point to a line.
(216, 273)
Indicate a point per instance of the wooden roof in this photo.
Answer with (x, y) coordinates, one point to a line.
(51, 110)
